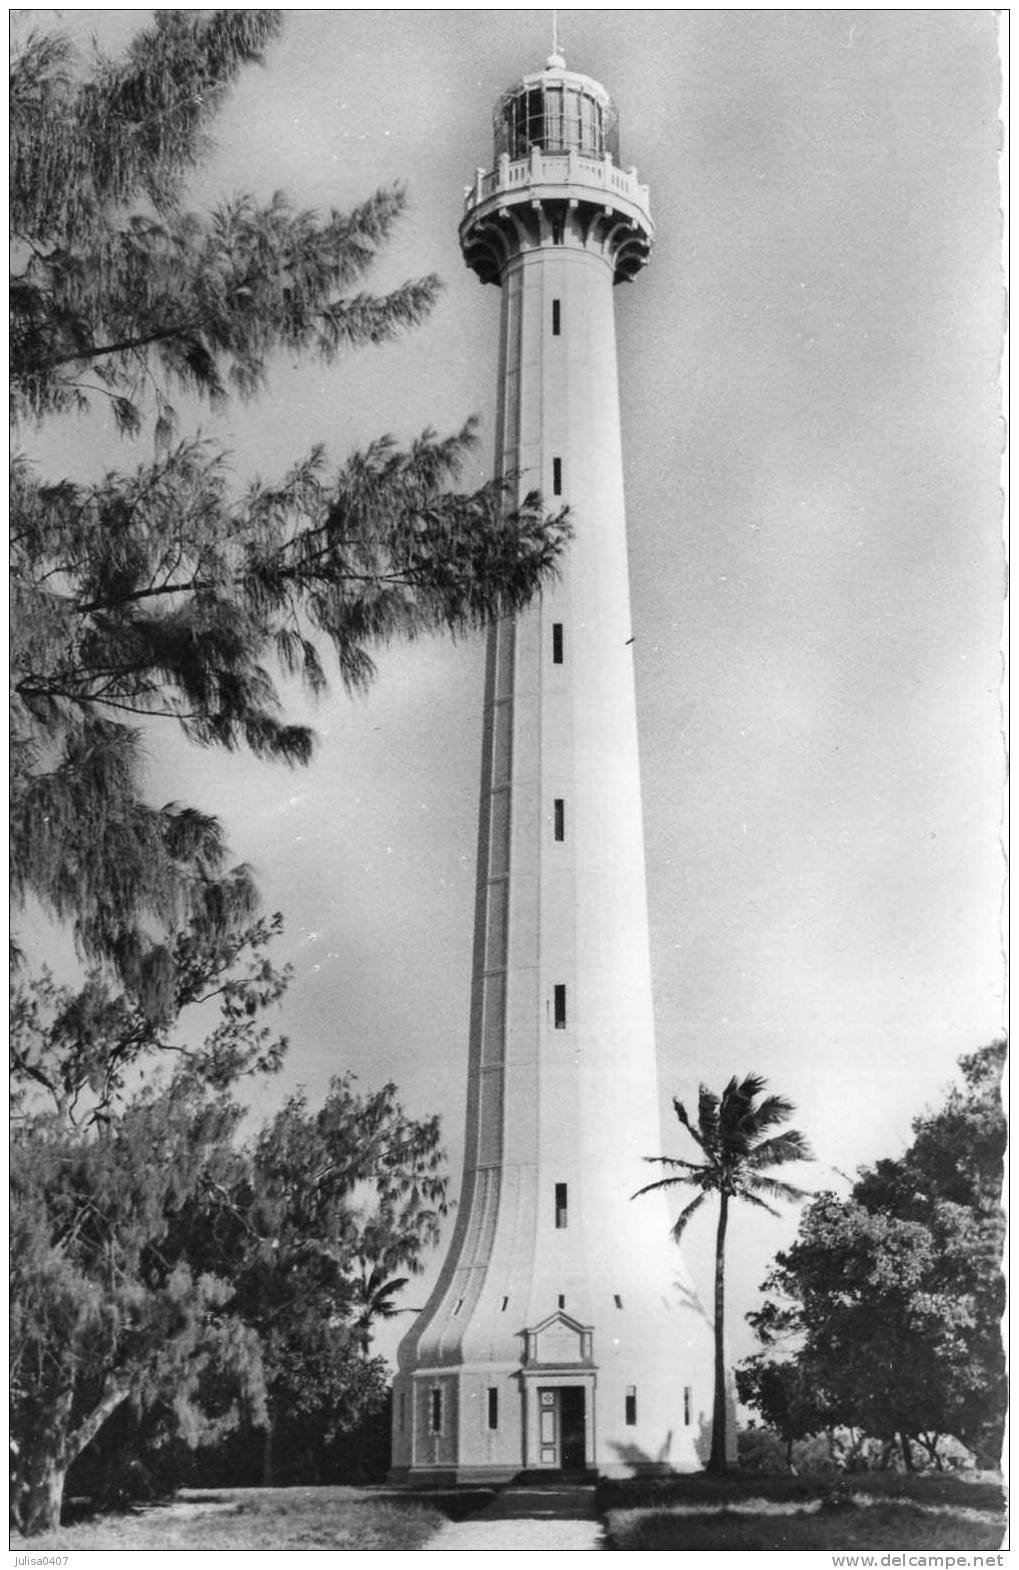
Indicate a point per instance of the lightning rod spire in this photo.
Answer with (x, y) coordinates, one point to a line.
(556, 57)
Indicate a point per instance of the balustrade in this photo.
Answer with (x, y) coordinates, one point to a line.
(540, 168)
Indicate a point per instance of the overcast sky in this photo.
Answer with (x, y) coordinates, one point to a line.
(809, 382)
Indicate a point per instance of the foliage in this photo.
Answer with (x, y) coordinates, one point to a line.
(321, 1206)
(730, 1133)
(157, 594)
(956, 1159)
(99, 1314)
(887, 1307)
(785, 1396)
(160, 591)
(114, 281)
(214, 1288)
(760, 1450)
(837, 1449)
(880, 1311)
(77, 1048)
(956, 1156)
(737, 1150)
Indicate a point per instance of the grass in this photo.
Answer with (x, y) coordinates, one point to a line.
(865, 1512)
(346, 1519)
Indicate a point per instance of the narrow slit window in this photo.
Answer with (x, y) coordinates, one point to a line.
(459, 1306)
(493, 1407)
(403, 1411)
(562, 1300)
(631, 1406)
(557, 643)
(687, 1405)
(560, 1206)
(559, 1006)
(505, 1304)
(557, 319)
(436, 1412)
(557, 476)
(617, 1300)
(559, 817)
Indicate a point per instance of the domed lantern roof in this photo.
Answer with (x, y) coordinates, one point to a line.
(556, 110)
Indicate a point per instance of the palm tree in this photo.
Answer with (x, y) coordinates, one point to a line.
(732, 1136)
(372, 1298)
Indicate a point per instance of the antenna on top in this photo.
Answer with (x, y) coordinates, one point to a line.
(555, 58)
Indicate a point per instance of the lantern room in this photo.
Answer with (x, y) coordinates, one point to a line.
(556, 179)
(556, 111)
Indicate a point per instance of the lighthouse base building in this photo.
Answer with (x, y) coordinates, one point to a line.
(563, 1334)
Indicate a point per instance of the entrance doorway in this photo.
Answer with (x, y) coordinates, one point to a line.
(561, 1420)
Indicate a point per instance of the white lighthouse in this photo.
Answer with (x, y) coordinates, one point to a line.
(563, 1334)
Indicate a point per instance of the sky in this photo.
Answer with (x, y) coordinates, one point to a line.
(812, 435)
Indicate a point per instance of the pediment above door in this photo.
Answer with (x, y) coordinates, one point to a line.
(559, 1341)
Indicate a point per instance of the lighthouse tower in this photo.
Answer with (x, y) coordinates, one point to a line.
(563, 1334)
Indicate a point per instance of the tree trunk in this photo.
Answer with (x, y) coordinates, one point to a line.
(718, 1460)
(907, 1454)
(113, 1396)
(40, 1494)
(42, 1470)
(268, 1481)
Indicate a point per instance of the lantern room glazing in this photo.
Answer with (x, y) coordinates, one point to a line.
(556, 112)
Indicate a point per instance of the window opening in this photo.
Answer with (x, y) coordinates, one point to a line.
(505, 1304)
(559, 1006)
(436, 1412)
(560, 1208)
(557, 643)
(687, 1404)
(493, 1407)
(557, 476)
(535, 118)
(403, 1411)
(617, 1300)
(556, 318)
(553, 119)
(631, 1405)
(590, 125)
(559, 815)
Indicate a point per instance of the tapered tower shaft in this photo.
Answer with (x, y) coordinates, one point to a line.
(562, 1332)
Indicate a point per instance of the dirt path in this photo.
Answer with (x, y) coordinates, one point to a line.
(527, 1518)
(521, 1534)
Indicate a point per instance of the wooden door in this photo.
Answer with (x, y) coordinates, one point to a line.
(572, 1426)
(548, 1429)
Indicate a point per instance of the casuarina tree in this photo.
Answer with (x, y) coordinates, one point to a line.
(157, 1263)
(322, 1204)
(167, 593)
(738, 1151)
(99, 1314)
(164, 591)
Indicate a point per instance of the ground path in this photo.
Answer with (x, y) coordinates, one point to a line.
(554, 1517)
